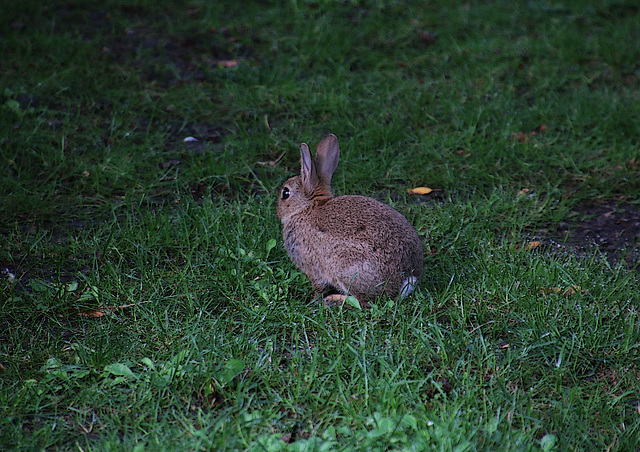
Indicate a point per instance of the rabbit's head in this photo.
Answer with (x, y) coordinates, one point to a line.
(313, 185)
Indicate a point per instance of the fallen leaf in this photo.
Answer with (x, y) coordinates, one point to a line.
(564, 291)
(94, 314)
(520, 137)
(227, 63)
(532, 245)
(103, 310)
(419, 191)
(272, 162)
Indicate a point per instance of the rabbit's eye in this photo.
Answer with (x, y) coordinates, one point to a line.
(285, 193)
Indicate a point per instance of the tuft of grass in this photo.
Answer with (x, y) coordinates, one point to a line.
(146, 301)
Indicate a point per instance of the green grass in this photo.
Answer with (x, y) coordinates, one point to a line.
(209, 338)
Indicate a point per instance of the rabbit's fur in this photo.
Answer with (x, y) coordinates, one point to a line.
(351, 244)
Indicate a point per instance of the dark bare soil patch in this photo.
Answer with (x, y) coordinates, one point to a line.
(613, 228)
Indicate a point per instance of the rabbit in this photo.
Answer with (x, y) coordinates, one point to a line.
(351, 244)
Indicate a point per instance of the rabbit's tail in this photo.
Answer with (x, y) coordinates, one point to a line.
(407, 286)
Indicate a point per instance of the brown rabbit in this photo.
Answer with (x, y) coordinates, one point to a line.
(351, 244)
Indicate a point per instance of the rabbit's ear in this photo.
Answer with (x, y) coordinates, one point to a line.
(307, 170)
(327, 156)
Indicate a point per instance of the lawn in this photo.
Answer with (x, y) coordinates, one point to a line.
(146, 299)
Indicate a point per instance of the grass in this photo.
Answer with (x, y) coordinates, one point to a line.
(146, 301)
